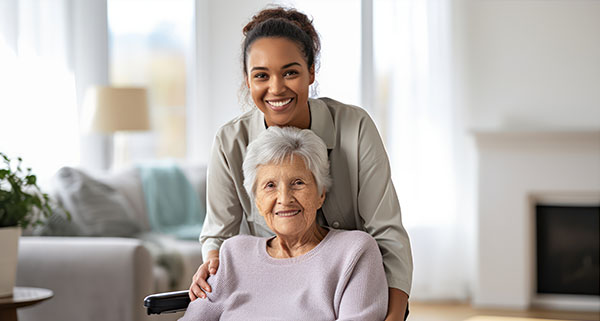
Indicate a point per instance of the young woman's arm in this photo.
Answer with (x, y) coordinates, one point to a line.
(397, 305)
(223, 215)
(380, 210)
(199, 284)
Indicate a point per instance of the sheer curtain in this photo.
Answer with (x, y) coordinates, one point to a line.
(424, 137)
(37, 87)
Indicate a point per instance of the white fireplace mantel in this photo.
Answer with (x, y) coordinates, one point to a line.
(515, 167)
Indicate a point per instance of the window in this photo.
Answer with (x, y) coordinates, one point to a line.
(338, 25)
(150, 45)
(38, 110)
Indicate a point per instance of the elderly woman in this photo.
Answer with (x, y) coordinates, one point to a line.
(306, 271)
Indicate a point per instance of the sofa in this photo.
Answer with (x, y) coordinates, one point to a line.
(98, 274)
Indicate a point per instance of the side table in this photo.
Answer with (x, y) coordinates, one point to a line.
(22, 297)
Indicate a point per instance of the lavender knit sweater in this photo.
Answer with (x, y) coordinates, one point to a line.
(342, 278)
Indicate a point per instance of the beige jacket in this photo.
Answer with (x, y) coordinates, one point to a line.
(362, 196)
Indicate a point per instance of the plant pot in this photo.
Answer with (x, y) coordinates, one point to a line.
(9, 243)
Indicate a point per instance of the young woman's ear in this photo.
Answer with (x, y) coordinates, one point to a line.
(311, 71)
(247, 82)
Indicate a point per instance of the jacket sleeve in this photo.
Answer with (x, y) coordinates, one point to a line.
(365, 296)
(379, 207)
(223, 209)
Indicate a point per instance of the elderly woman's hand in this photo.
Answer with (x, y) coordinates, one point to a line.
(199, 284)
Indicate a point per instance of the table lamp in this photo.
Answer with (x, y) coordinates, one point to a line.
(111, 110)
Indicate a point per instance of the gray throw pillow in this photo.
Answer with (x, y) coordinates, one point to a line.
(97, 209)
(57, 225)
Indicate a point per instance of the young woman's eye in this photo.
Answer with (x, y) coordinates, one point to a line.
(260, 76)
(290, 73)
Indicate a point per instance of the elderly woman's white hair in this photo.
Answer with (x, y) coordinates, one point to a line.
(275, 144)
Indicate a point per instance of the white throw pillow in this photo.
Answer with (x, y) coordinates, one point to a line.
(96, 208)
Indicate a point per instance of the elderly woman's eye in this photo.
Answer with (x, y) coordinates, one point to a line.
(269, 185)
(298, 182)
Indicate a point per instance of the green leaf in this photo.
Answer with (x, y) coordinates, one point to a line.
(22, 203)
(31, 179)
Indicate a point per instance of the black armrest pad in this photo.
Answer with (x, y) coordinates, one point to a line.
(168, 302)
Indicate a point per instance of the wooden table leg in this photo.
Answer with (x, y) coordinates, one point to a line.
(9, 314)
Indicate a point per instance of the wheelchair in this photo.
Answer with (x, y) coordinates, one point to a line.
(171, 302)
(167, 302)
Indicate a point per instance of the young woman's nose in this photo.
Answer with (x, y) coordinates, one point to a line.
(276, 85)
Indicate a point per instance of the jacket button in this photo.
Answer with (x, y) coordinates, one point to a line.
(336, 224)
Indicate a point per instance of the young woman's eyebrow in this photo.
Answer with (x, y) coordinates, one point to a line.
(291, 64)
(284, 66)
(258, 68)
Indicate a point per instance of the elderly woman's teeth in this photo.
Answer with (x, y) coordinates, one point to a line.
(280, 103)
(290, 213)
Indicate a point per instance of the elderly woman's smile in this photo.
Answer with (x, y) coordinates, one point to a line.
(287, 197)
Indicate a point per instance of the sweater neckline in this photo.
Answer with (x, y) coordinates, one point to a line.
(262, 251)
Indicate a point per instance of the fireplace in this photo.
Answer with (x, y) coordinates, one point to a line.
(517, 171)
(567, 249)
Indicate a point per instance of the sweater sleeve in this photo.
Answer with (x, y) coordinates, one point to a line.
(213, 306)
(203, 309)
(365, 296)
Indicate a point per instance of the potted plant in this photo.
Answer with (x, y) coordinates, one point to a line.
(22, 205)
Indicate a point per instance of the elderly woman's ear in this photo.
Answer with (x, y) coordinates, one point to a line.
(322, 197)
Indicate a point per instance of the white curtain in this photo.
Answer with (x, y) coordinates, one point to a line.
(424, 137)
(38, 108)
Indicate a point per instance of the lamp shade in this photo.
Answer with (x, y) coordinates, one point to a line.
(113, 109)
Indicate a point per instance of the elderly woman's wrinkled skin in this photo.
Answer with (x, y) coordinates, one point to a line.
(288, 198)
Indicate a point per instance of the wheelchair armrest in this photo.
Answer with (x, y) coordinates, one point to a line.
(168, 302)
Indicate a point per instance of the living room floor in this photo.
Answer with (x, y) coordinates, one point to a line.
(426, 311)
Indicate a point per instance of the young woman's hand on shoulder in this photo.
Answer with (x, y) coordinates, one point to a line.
(199, 285)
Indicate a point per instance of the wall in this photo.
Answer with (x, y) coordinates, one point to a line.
(532, 64)
(532, 68)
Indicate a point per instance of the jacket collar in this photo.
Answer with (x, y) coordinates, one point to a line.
(321, 122)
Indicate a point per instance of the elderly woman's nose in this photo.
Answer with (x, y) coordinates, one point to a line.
(276, 85)
(284, 195)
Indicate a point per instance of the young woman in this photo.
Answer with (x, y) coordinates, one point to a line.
(279, 55)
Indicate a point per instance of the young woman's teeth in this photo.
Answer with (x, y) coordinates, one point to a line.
(280, 103)
(284, 214)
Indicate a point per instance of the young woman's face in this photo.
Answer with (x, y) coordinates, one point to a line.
(279, 79)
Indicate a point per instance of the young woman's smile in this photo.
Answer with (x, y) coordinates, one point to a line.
(279, 80)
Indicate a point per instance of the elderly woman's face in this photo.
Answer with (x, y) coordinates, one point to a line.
(287, 197)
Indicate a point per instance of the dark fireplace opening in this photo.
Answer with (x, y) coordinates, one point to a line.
(568, 249)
